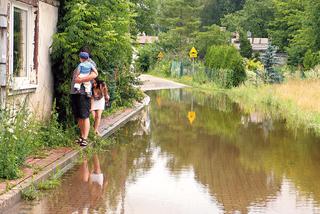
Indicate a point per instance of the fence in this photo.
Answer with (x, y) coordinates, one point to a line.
(183, 67)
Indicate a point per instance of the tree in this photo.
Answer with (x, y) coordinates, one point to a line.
(254, 17)
(212, 35)
(145, 17)
(180, 20)
(286, 22)
(291, 30)
(307, 35)
(214, 10)
(245, 46)
(269, 60)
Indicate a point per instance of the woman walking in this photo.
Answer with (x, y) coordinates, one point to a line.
(98, 101)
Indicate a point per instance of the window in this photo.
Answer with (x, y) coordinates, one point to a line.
(21, 45)
(19, 42)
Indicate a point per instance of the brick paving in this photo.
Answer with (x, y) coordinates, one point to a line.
(33, 166)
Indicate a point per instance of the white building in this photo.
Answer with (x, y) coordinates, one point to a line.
(26, 29)
(258, 44)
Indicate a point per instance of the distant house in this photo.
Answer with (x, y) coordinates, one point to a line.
(143, 39)
(258, 44)
(26, 29)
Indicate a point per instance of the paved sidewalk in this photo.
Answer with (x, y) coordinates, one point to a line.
(155, 83)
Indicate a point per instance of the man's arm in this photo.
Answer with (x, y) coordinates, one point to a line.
(91, 76)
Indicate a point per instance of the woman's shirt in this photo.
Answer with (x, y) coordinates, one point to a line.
(97, 93)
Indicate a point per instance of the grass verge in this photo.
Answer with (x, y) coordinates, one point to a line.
(296, 101)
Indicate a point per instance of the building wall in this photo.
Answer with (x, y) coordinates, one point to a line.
(41, 100)
(38, 91)
(3, 48)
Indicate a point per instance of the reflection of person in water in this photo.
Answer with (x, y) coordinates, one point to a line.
(96, 183)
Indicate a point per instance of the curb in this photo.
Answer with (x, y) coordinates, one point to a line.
(63, 164)
(110, 130)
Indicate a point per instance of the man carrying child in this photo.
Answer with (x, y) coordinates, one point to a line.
(80, 96)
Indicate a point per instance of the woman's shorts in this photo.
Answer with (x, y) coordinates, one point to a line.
(81, 105)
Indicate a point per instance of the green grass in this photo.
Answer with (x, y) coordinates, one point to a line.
(51, 183)
(30, 193)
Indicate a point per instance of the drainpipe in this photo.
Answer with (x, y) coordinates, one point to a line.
(4, 11)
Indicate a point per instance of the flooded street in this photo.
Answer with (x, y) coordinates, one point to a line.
(193, 153)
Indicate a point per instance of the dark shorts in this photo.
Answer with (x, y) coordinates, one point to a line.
(81, 105)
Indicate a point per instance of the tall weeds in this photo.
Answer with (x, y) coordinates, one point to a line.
(22, 135)
(296, 101)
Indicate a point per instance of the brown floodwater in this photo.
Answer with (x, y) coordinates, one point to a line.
(189, 152)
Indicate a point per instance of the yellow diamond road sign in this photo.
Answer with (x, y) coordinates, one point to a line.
(160, 55)
(193, 53)
(191, 116)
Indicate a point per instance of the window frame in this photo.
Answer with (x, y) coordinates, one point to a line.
(18, 83)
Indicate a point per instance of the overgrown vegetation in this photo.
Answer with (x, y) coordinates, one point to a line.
(30, 193)
(296, 101)
(104, 27)
(33, 192)
(148, 56)
(21, 136)
(50, 183)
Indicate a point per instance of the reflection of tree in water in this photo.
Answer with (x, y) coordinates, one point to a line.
(127, 160)
(215, 160)
(240, 158)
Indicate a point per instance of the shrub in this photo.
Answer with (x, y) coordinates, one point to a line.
(254, 65)
(227, 59)
(163, 67)
(148, 56)
(313, 73)
(200, 76)
(255, 72)
(245, 46)
(311, 59)
(125, 89)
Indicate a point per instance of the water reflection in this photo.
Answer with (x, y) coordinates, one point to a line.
(225, 161)
(96, 182)
(228, 152)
